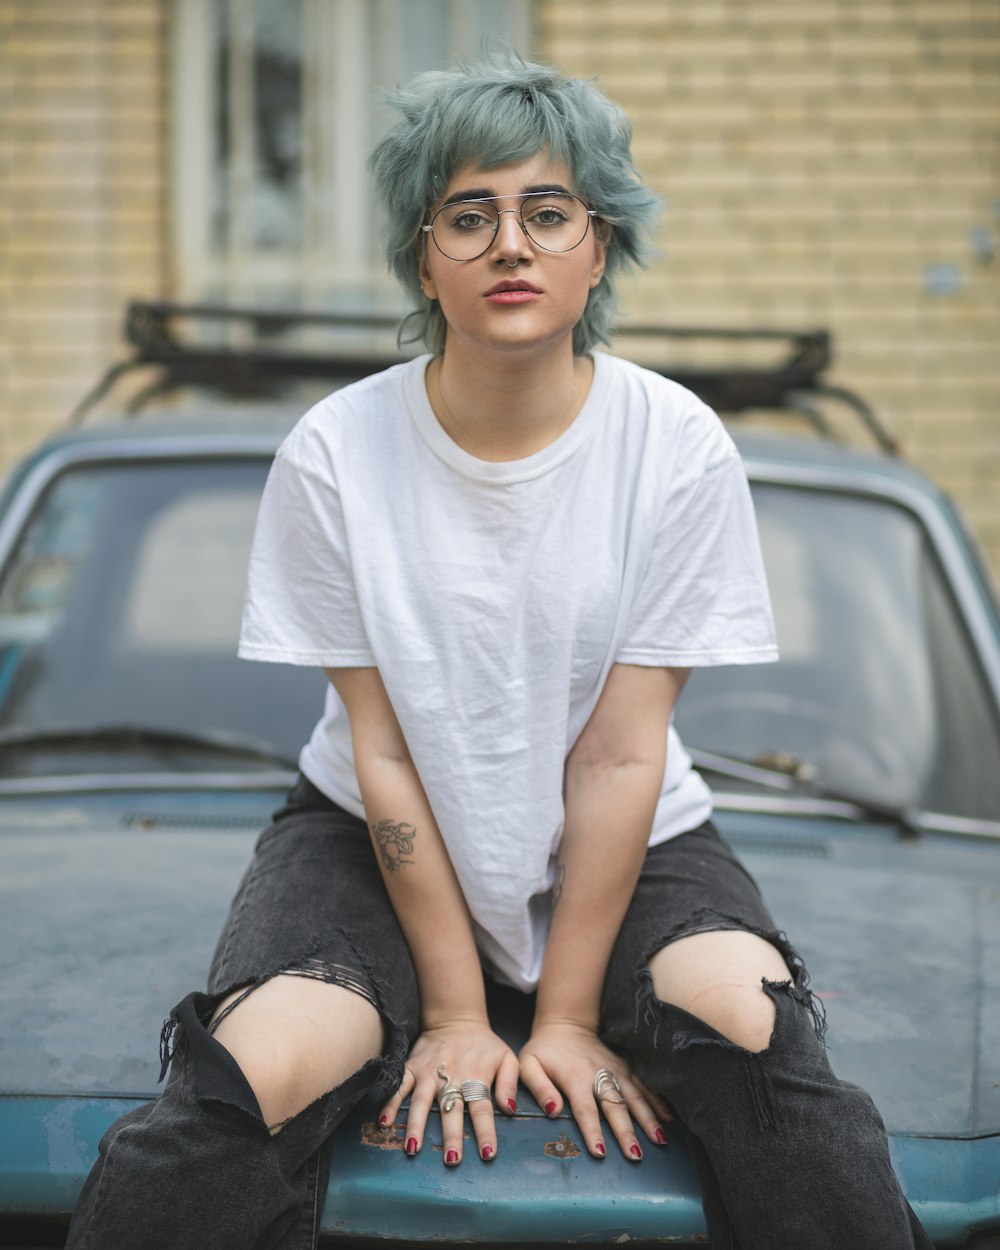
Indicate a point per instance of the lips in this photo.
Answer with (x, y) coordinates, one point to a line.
(507, 286)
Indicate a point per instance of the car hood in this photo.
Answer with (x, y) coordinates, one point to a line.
(901, 936)
(112, 915)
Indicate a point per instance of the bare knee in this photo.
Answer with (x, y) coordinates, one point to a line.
(716, 976)
(295, 1038)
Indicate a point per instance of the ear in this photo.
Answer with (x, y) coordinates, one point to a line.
(427, 283)
(602, 236)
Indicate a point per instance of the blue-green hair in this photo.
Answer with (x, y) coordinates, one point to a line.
(495, 111)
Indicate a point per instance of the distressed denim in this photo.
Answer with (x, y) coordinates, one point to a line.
(789, 1158)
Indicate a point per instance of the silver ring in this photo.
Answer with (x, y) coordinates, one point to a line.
(450, 1094)
(605, 1081)
(475, 1091)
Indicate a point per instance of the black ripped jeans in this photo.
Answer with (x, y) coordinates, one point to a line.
(789, 1157)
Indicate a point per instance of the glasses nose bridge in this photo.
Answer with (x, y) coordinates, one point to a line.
(497, 232)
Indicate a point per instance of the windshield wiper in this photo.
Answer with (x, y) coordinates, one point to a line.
(126, 736)
(800, 778)
(769, 774)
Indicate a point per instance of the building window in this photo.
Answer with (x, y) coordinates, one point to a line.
(275, 108)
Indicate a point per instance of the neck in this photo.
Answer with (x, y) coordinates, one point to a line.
(510, 408)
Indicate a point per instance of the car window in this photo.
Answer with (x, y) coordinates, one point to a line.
(878, 685)
(121, 606)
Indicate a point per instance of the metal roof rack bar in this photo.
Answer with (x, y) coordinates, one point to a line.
(257, 368)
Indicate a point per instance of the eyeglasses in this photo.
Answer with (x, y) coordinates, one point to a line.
(555, 221)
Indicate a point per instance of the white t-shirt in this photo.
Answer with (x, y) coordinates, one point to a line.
(494, 598)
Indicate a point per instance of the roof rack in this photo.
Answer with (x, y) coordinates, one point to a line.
(258, 365)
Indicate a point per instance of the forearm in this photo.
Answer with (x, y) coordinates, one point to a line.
(614, 775)
(609, 813)
(417, 871)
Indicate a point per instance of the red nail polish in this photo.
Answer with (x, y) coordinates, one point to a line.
(661, 1137)
(411, 1146)
(487, 1152)
(550, 1107)
(383, 1120)
(599, 1147)
(635, 1151)
(451, 1157)
(512, 1106)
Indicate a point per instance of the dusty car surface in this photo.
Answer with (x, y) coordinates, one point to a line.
(139, 759)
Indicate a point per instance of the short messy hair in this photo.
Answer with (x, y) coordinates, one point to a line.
(499, 109)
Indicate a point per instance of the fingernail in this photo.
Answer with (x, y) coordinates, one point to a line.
(411, 1146)
(451, 1156)
(661, 1137)
(550, 1107)
(383, 1120)
(599, 1147)
(487, 1152)
(635, 1151)
(512, 1106)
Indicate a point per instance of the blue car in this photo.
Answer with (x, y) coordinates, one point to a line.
(859, 778)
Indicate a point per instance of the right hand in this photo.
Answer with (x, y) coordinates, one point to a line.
(467, 1050)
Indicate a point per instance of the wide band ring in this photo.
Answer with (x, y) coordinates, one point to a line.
(475, 1091)
(449, 1094)
(604, 1082)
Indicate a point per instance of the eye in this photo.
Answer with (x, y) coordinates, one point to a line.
(547, 214)
(469, 218)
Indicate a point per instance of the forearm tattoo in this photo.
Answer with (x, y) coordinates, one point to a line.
(395, 843)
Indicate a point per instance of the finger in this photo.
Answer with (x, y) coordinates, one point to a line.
(421, 1101)
(452, 1127)
(537, 1080)
(588, 1121)
(484, 1127)
(505, 1085)
(387, 1117)
(620, 1122)
(642, 1112)
(662, 1110)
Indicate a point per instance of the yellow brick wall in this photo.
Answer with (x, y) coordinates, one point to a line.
(81, 196)
(826, 162)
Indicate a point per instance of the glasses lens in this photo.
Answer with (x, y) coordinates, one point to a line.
(465, 230)
(553, 221)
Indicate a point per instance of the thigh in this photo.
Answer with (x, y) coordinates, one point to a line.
(312, 905)
(690, 887)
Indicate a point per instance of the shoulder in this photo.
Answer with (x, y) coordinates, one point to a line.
(357, 415)
(672, 419)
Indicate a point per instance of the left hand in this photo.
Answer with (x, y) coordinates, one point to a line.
(561, 1060)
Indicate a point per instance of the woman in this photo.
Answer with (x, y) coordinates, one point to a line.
(507, 555)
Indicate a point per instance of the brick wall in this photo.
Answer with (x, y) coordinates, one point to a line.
(81, 196)
(834, 162)
(831, 162)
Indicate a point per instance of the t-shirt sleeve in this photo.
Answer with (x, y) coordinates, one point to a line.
(703, 598)
(301, 604)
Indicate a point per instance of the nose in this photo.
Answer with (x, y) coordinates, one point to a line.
(510, 243)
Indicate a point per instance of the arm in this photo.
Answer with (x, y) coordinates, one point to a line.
(613, 778)
(431, 909)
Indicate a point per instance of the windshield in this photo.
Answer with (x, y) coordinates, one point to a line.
(120, 607)
(878, 686)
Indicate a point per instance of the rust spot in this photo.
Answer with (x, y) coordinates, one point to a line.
(389, 1138)
(562, 1148)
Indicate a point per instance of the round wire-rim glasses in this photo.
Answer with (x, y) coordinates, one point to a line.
(555, 221)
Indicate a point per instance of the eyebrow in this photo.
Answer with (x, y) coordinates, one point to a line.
(486, 193)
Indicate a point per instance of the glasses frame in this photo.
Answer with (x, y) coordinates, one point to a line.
(491, 199)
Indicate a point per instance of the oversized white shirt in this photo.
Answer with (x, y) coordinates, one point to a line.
(494, 598)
